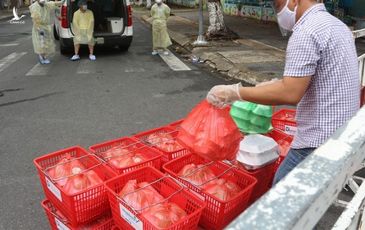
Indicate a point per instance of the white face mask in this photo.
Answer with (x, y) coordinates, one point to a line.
(286, 17)
(84, 7)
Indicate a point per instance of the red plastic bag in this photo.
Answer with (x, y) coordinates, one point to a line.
(196, 174)
(222, 189)
(119, 157)
(210, 132)
(82, 181)
(140, 196)
(164, 215)
(164, 141)
(65, 168)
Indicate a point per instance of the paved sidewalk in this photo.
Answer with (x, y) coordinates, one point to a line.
(248, 60)
(258, 55)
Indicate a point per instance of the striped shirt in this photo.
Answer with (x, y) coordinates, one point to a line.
(322, 47)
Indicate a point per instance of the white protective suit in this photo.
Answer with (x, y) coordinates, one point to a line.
(160, 14)
(83, 27)
(42, 36)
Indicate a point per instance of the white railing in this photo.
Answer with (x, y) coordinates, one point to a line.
(304, 195)
(359, 33)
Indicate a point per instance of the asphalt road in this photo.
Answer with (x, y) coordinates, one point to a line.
(78, 103)
(47, 108)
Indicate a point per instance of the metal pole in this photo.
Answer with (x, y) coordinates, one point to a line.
(201, 39)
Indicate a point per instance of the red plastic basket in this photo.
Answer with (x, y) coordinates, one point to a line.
(153, 156)
(284, 141)
(284, 120)
(125, 217)
(58, 221)
(266, 174)
(82, 207)
(264, 177)
(166, 155)
(218, 213)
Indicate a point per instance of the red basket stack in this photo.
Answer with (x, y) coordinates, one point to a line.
(218, 213)
(284, 140)
(264, 177)
(124, 216)
(152, 155)
(83, 207)
(166, 154)
(284, 120)
(58, 221)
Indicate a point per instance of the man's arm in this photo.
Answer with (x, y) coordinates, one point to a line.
(288, 91)
(58, 3)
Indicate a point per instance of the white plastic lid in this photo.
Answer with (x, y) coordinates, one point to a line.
(258, 144)
(257, 150)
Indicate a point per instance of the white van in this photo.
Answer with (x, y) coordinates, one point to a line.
(113, 23)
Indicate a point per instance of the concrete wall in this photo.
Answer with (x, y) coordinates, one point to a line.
(186, 3)
(234, 8)
(254, 12)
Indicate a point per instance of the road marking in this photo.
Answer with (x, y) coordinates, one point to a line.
(86, 67)
(39, 70)
(9, 44)
(174, 63)
(10, 59)
(135, 70)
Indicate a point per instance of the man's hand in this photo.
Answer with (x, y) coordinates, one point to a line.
(222, 95)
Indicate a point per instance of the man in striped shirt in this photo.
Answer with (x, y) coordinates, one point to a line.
(321, 77)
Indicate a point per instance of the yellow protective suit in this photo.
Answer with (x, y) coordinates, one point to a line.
(161, 38)
(42, 22)
(83, 27)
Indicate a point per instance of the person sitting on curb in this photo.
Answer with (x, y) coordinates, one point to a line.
(83, 29)
(160, 37)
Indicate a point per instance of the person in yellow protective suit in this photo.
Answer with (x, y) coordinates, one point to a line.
(83, 29)
(161, 40)
(42, 36)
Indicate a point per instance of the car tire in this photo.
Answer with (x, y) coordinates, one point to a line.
(55, 34)
(124, 48)
(64, 49)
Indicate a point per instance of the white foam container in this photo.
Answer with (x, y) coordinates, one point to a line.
(257, 151)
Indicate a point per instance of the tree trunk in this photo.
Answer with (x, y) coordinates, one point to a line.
(216, 19)
(13, 3)
(148, 4)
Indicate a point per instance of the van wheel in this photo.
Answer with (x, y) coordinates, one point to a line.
(55, 34)
(124, 48)
(64, 49)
